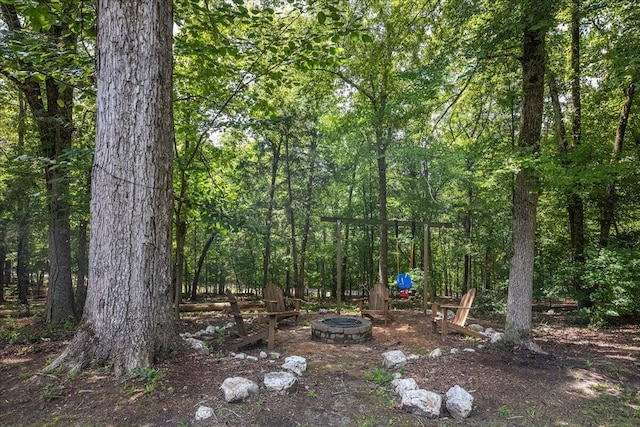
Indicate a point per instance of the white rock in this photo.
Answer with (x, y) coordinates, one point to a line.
(203, 413)
(397, 376)
(394, 359)
(469, 350)
(435, 353)
(197, 345)
(263, 355)
(405, 384)
(211, 330)
(453, 350)
(413, 357)
(252, 358)
(240, 356)
(280, 381)
(489, 332)
(238, 388)
(497, 337)
(295, 364)
(422, 402)
(459, 402)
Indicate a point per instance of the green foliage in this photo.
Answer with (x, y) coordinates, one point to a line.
(379, 376)
(614, 275)
(491, 301)
(51, 391)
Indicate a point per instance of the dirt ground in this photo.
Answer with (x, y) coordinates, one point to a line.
(589, 378)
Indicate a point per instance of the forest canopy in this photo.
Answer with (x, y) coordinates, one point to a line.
(288, 111)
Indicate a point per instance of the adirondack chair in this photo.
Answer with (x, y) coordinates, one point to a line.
(251, 333)
(378, 304)
(274, 301)
(459, 320)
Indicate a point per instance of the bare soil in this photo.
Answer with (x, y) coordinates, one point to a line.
(589, 378)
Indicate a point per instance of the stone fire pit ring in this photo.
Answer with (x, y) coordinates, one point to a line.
(341, 330)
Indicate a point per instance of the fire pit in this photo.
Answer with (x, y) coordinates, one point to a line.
(341, 330)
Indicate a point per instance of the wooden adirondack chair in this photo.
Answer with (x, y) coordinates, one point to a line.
(275, 303)
(459, 320)
(251, 333)
(378, 304)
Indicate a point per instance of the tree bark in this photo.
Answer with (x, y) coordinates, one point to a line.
(275, 161)
(525, 196)
(54, 120)
(607, 217)
(128, 318)
(307, 204)
(200, 263)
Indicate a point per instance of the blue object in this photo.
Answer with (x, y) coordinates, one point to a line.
(404, 281)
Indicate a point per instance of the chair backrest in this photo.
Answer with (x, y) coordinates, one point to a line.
(465, 305)
(272, 292)
(378, 297)
(235, 311)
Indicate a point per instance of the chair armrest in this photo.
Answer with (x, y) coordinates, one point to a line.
(453, 306)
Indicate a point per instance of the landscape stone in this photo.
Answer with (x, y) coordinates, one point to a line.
(435, 353)
(295, 364)
(404, 384)
(422, 402)
(459, 402)
(497, 337)
(280, 381)
(238, 389)
(203, 413)
(394, 359)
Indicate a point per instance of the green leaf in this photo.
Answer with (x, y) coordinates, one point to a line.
(366, 38)
(322, 17)
(60, 103)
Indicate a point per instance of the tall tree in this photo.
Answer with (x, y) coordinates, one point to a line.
(127, 318)
(536, 19)
(51, 105)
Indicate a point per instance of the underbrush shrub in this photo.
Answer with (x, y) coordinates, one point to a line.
(613, 275)
(491, 301)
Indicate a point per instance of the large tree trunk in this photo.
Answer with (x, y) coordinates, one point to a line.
(525, 197)
(128, 318)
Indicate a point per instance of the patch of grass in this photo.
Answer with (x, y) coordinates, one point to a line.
(379, 376)
(51, 392)
(506, 412)
(312, 394)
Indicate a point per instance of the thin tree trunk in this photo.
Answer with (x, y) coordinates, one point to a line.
(23, 258)
(307, 204)
(83, 261)
(128, 319)
(292, 219)
(198, 269)
(54, 120)
(269, 216)
(609, 200)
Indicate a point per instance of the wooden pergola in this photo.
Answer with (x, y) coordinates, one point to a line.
(396, 223)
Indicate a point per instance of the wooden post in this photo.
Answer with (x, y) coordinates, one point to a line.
(425, 269)
(339, 266)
